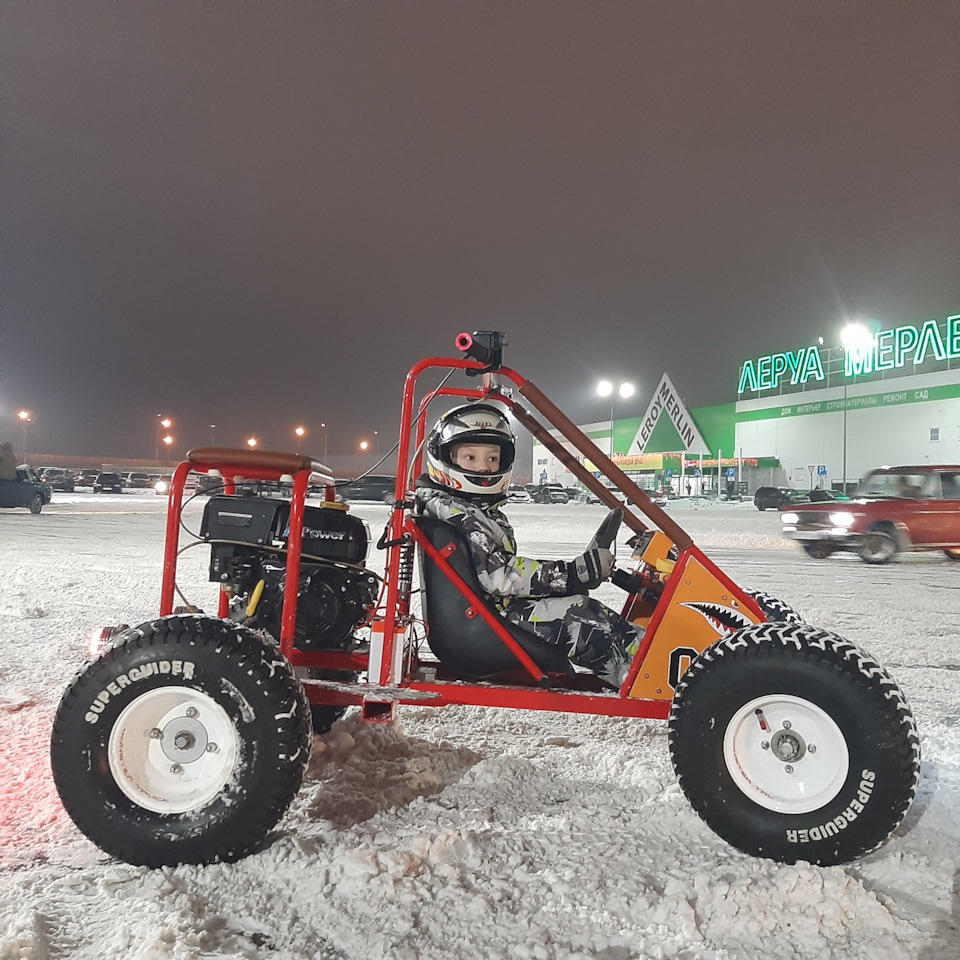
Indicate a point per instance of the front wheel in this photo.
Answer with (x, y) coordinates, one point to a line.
(952, 553)
(878, 547)
(793, 744)
(185, 742)
(819, 551)
(773, 608)
(36, 504)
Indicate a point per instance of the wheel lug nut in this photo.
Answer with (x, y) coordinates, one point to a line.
(212, 748)
(788, 769)
(192, 712)
(811, 748)
(156, 734)
(765, 745)
(176, 768)
(786, 724)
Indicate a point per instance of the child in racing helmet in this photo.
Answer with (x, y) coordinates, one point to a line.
(470, 455)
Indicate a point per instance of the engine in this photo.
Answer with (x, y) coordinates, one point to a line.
(335, 594)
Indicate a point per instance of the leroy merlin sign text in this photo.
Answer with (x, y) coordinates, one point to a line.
(889, 350)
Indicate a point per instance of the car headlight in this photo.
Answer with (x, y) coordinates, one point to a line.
(161, 486)
(842, 519)
(790, 518)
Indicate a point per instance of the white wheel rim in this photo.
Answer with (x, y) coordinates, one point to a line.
(172, 750)
(786, 754)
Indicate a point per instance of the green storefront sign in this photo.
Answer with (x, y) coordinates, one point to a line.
(886, 350)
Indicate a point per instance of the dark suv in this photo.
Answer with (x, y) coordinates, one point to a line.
(367, 488)
(772, 498)
(894, 509)
(108, 483)
(59, 479)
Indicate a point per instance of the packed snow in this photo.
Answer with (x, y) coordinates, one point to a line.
(472, 832)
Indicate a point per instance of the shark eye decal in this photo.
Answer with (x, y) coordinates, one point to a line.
(724, 620)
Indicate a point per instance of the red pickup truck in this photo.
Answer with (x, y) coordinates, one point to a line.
(895, 509)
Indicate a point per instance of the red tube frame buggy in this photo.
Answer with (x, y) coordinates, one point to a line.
(187, 737)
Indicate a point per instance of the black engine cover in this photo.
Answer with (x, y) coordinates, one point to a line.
(328, 532)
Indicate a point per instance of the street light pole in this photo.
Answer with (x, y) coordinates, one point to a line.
(855, 339)
(163, 423)
(605, 389)
(324, 442)
(24, 416)
(843, 481)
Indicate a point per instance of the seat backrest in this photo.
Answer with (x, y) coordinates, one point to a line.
(464, 643)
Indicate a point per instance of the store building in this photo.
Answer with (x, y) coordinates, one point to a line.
(815, 416)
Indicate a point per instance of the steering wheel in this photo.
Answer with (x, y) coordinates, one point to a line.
(607, 531)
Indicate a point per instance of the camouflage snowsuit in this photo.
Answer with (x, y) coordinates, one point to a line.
(535, 593)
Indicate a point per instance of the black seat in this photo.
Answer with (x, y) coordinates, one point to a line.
(464, 644)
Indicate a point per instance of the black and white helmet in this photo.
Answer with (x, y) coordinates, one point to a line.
(471, 423)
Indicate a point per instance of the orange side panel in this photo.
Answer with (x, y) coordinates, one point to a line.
(700, 610)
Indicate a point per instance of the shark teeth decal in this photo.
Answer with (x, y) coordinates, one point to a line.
(724, 620)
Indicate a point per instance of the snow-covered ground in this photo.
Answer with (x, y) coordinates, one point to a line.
(465, 831)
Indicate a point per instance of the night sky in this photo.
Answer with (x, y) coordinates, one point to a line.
(260, 214)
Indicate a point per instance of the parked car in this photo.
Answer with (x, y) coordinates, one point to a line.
(161, 486)
(548, 493)
(894, 509)
(27, 490)
(518, 494)
(773, 498)
(57, 478)
(374, 487)
(825, 496)
(108, 483)
(137, 481)
(86, 478)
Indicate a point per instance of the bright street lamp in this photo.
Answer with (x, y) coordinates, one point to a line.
(324, 442)
(606, 389)
(251, 442)
(299, 432)
(364, 445)
(855, 338)
(25, 418)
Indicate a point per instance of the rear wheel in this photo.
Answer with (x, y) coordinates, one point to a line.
(952, 553)
(793, 744)
(36, 504)
(183, 743)
(819, 551)
(878, 547)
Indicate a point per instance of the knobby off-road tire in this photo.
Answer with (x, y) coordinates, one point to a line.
(185, 742)
(773, 608)
(793, 744)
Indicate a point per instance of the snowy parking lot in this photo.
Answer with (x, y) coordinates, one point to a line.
(470, 831)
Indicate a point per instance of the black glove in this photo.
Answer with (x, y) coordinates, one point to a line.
(590, 569)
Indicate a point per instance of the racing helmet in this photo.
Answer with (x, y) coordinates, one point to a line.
(471, 423)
